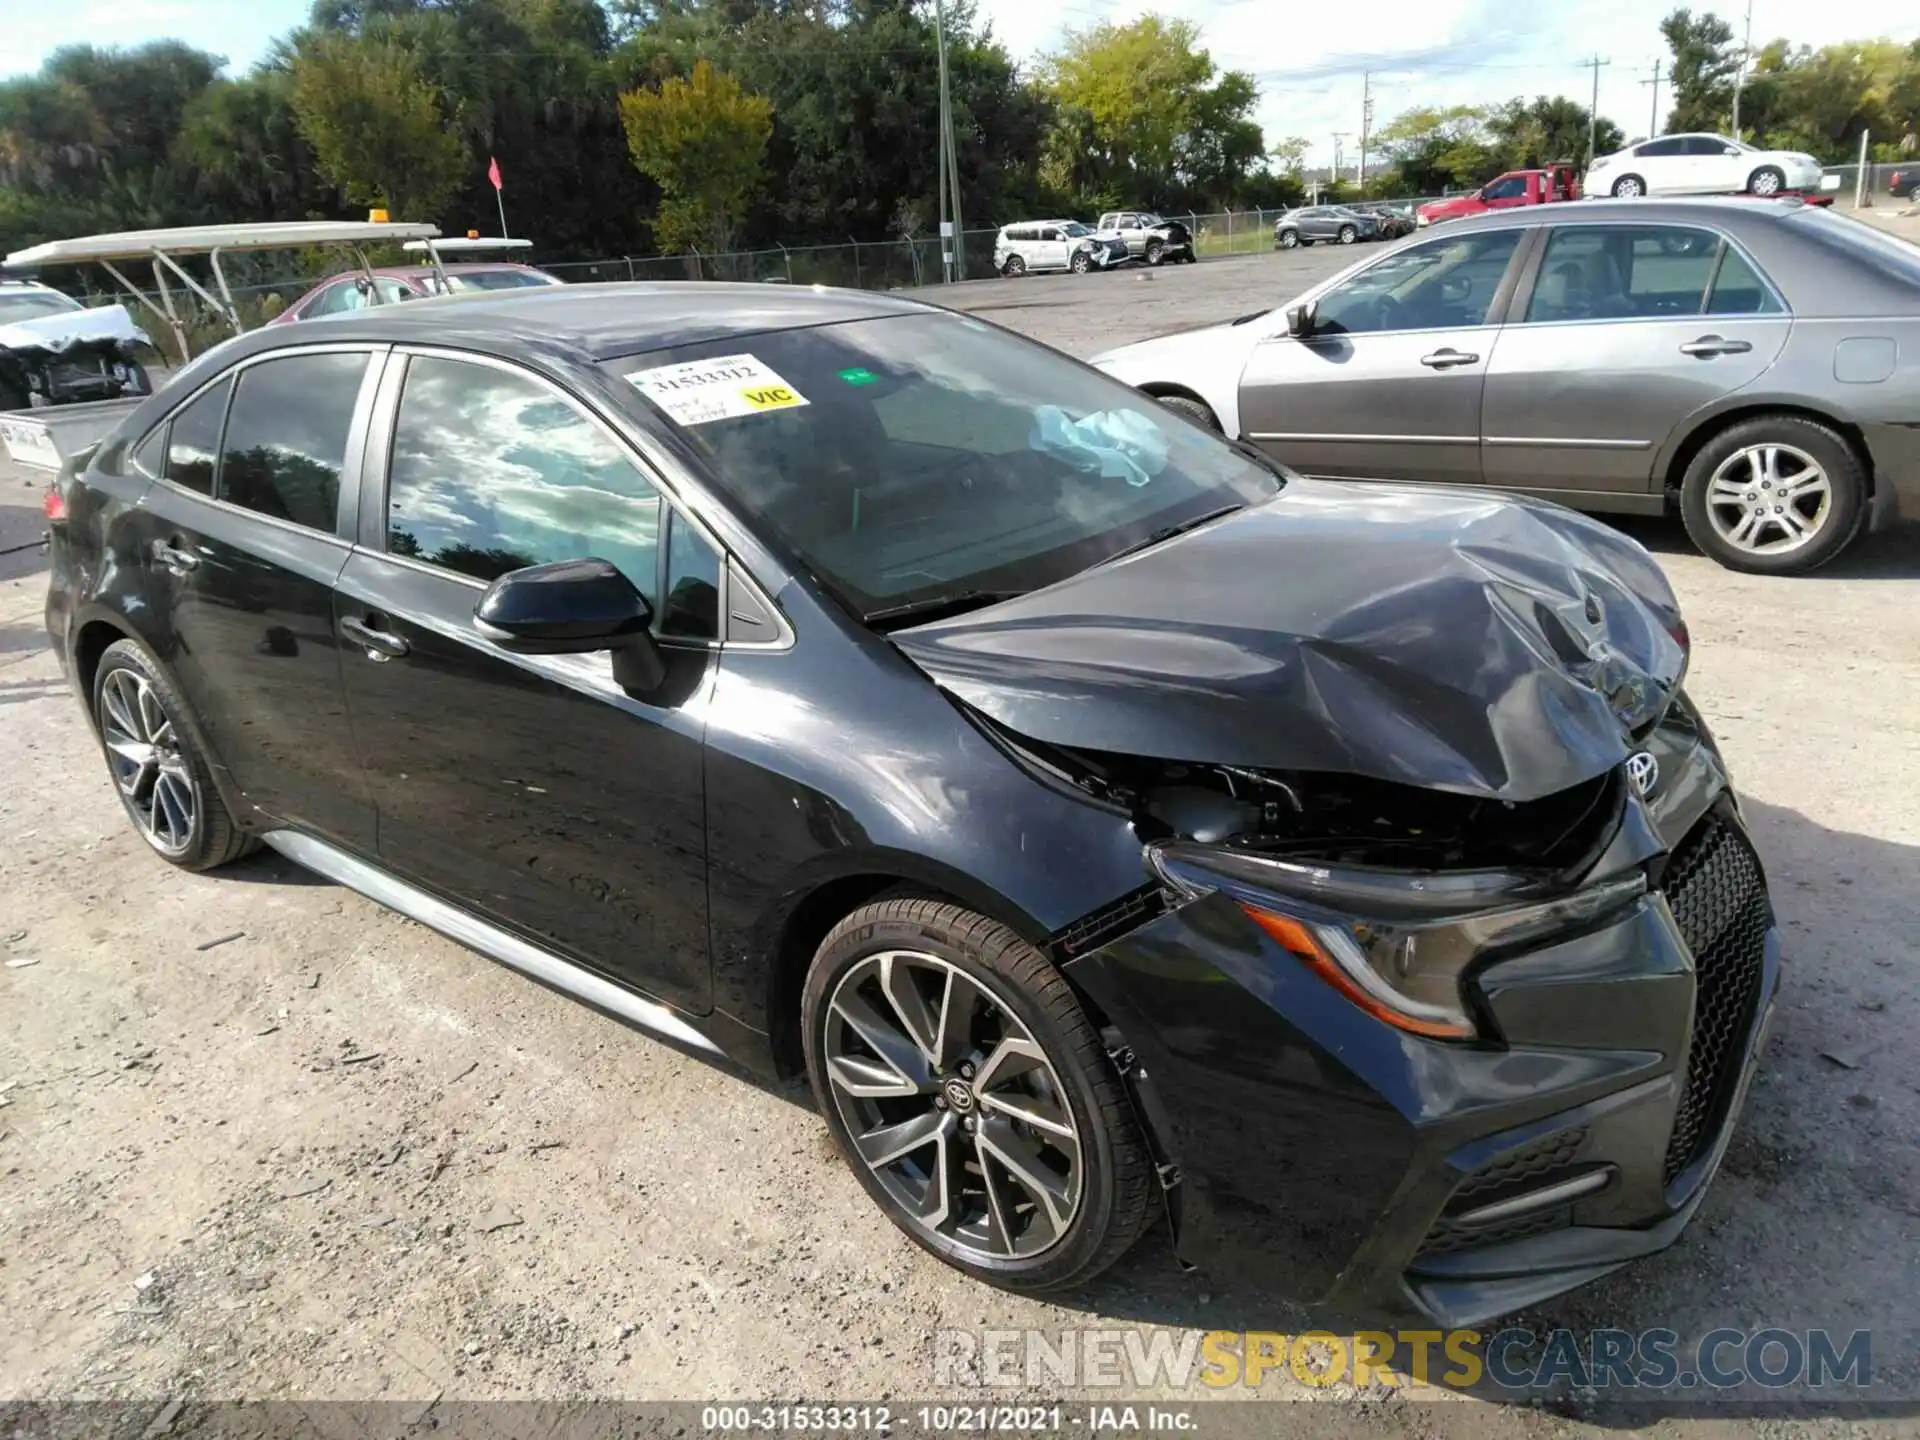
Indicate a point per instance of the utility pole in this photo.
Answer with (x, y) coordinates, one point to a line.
(1740, 75)
(1366, 123)
(1593, 112)
(1339, 153)
(953, 255)
(1653, 119)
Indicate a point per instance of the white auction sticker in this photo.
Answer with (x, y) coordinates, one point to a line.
(720, 389)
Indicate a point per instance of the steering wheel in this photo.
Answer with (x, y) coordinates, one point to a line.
(1389, 311)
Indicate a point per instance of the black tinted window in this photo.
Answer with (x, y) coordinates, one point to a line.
(493, 472)
(692, 604)
(1509, 188)
(1446, 283)
(193, 440)
(287, 437)
(1653, 149)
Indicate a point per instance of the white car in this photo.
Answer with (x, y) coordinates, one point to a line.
(1037, 245)
(1700, 165)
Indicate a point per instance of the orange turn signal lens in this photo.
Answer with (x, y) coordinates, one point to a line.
(1298, 939)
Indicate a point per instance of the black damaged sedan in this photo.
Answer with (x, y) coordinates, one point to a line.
(1113, 825)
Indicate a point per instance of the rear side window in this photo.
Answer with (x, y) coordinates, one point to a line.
(492, 472)
(1654, 149)
(287, 437)
(193, 440)
(1629, 272)
(150, 456)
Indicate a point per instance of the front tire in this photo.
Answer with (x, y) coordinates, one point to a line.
(1629, 187)
(1348, 234)
(1196, 410)
(1156, 252)
(1288, 239)
(164, 781)
(965, 1086)
(1775, 495)
(1767, 180)
(1014, 268)
(1081, 263)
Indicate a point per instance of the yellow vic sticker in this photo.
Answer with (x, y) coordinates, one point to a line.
(770, 397)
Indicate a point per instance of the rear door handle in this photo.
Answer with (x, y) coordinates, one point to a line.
(179, 561)
(1447, 357)
(379, 644)
(1707, 346)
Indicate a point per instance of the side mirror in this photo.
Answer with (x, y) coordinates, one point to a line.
(1300, 319)
(573, 607)
(1729, 150)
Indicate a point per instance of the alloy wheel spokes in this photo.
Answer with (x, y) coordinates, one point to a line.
(148, 768)
(1769, 499)
(952, 1105)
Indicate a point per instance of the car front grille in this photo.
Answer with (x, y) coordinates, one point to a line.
(1544, 1162)
(1718, 897)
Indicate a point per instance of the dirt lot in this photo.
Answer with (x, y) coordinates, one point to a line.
(260, 1138)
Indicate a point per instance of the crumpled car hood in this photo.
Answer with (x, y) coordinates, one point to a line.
(1449, 639)
(106, 323)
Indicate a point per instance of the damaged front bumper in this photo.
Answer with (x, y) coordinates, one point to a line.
(1314, 1149)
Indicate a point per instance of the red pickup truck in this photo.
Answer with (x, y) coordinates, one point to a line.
(1516, 187)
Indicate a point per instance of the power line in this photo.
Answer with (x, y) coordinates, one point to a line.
(1593, 111)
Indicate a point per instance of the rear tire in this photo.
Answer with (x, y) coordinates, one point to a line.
(164, 781)
(1629, 187)
(1196, 410)
(933, 957)
(1767, 180)
(1740, 473)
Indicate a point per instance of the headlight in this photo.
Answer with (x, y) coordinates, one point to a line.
(1396, 944)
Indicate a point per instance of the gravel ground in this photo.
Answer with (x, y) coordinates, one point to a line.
(259, 1138)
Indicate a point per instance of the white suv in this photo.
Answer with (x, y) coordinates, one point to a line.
(1700, 165)
(1054, 245)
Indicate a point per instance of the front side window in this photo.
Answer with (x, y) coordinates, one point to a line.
(908, 458)
(1628, 272)
(491, 472)
(286, 441)
(1446, 283)
(1510, 188)
(193, 439)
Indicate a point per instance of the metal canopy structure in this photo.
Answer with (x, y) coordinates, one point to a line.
(465, 245)
(165, 247)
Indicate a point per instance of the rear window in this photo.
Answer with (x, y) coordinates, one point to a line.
(497, 279)
(911, 456)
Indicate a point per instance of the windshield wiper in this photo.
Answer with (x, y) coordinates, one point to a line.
(1167, 532)
(934, 607)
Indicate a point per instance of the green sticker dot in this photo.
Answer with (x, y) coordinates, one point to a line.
(857, 376)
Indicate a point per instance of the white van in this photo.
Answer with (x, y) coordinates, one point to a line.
(1055, 245)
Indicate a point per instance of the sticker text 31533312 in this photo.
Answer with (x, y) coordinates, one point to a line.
(723, 388)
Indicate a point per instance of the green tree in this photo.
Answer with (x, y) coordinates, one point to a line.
(241, 144)
(1291, 154)
(1546, 129)
(703, 140)
(377, 127)
(1147, 115)
(1705, 61)
(1440, 148)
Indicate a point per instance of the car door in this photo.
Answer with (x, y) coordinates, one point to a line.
(1388, 384)
(1665, 166)
(1506, 192)
(244, 534)
(1053, 248)
(532, 789)
(1622, 332)
(1715, 166)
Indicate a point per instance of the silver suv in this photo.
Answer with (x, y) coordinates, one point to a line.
(1148, 237)
(1054, 245)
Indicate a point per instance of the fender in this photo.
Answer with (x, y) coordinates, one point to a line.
(1683, 436)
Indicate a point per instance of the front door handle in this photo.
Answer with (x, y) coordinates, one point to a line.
(179, 561)
(1446, 357)
(380, 645)
(1707, 346)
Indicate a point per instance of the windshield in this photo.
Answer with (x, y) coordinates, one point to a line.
(497, 279)
(17, 305)
(920, 456)
(1073, 230)
(1149, 220)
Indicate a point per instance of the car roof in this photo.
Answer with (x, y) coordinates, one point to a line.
(591, 322)
(1720, 209)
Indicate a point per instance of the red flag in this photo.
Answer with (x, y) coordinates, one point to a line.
(493, 172)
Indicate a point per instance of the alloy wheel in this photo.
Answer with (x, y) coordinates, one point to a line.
(1628, 188)
(1767, 182)
(143, 749)
(953, 1105)
(1769, 499)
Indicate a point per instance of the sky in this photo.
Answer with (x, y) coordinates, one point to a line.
(1308, 56)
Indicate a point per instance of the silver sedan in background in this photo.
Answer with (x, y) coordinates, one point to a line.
(1753, 364)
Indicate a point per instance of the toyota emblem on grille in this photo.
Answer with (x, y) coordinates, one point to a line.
(1644, 771)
